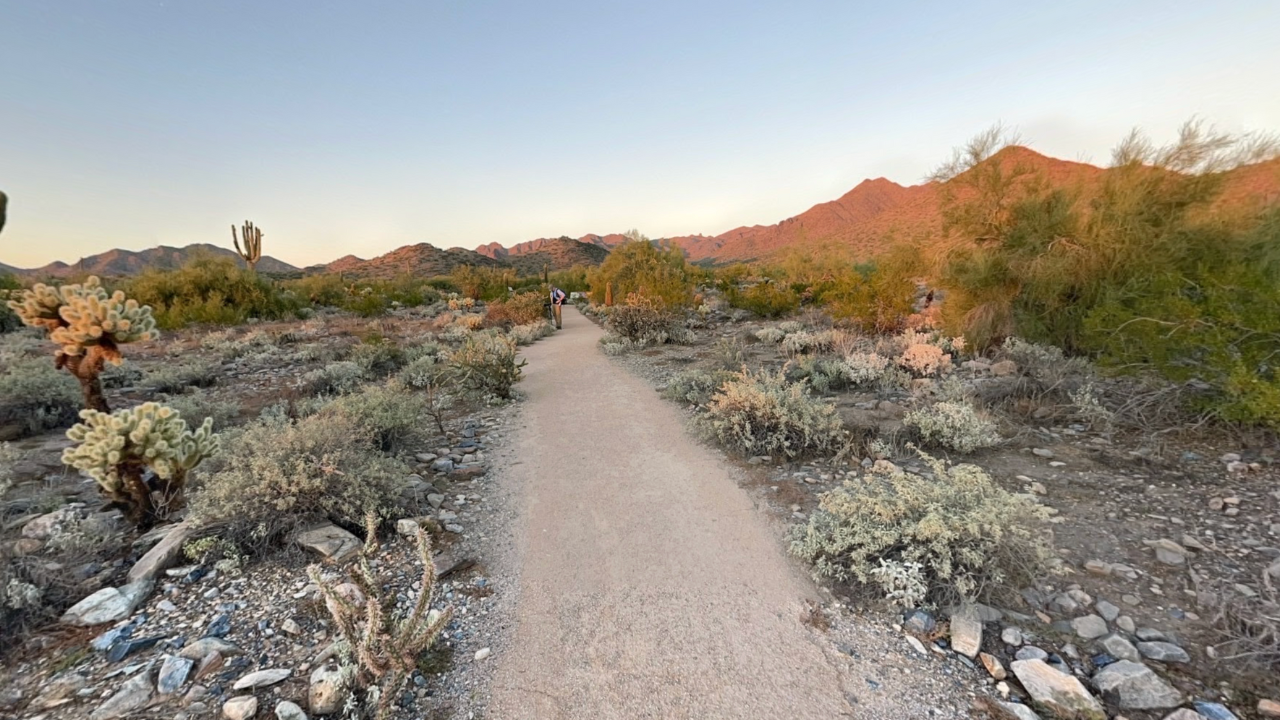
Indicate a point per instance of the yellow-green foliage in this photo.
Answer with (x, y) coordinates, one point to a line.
(766, 299)
(80, 317)
(971, 538)
(277, 476)
(519, 309)
(761, 413)
(483, 283)
(639, 267)
(213, 290)
(113, 449)
(486, 364)
(877, 298)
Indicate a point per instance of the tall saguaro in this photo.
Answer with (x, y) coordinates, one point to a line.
(4, 206)
(252, 237)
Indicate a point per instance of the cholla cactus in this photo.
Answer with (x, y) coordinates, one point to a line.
(387, 649)
(89, 326)
(118, 449)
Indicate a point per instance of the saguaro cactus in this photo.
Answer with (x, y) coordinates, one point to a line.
(89, 326)
(4, 207)
(608, 294)
(118, 449)
(252, 237)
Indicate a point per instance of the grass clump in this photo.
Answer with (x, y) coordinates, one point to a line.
(761, 413)
(969, 538)
(956, 426)
(278, 476)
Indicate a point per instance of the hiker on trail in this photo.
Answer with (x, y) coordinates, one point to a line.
(557, 301)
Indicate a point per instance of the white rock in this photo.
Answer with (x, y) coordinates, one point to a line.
(1133, 686)
(286, 710)
(1057, 692)
(327, 692)
(240, 708)
(107, 605)
(262, 678)
(131, 696)
(330, 541)
(483, 653)
(966, 634)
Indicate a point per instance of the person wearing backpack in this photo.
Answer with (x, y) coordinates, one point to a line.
(557, 301)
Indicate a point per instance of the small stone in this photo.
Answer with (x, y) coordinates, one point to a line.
(291, 626)
(240, 708)
(1269, 708)
(1031, 652)
(207, 645)
(262, 678)
(920, 622)
(993, 666)
(286, 710)
(1131, 600)
(1043, 453)
(329, 541)
(1133, 686)
(1168, 551)
(133, 695)
(1019, 711)
(219, 626)
(1064, 603)
(1057, 692)
(1184, 714)
(1120, 648)
(966, 634)
(916, 645)
(1011, 636)
(483, 653)
(1214, 711)
(1163, 652)
(210, 663)
(1089, 626)
(108, 604)
(443, 465)
(166, 606)
(1147, 634)
(173, 673)
(436, 500)
(327, 691)
(164, 555)
(1098, 567)
(1108, 611)
(1125, 623)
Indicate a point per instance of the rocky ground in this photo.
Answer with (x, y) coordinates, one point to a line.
(1160, 534)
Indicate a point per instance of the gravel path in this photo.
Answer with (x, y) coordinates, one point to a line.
(649, 586)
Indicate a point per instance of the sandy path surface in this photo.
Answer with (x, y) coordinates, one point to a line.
(649, 586)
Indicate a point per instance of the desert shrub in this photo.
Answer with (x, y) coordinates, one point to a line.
(613, 345)
(279, 476)
(469, 322)
(530, 333)
(210, 290)
(770, 335)
(378, 357)
(877, 298)
(1046, 363)
(119, 376)
(924, 360)
(824, 374)
(695, 387)
(486, 364)
(864, 369)
(388, 414)
(198, 405)
(9, 320)
(646, 321)
(335, 378)
(729, 353)
(520, 309)
(804, 341)
(481, 283)
(766, 299)
(176, 377)
(436, 382)
(957, 426)
(761, 413)
(35, 396)
(639, 267)
(970, 538)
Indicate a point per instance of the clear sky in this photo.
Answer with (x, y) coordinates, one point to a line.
(358, 127)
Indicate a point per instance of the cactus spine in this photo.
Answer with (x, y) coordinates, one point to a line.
(252, 237)
(120, 449)
(89, 326)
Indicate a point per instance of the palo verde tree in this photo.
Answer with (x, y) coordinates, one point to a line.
(89, 326)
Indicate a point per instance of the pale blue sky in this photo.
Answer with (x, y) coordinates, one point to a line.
(357, 127)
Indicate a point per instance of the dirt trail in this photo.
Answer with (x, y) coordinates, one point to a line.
(649, 586)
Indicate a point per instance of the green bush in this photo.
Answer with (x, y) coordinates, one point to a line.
(9, 320)
(486, 364)
(766, 299)
(695, 387)
(963, 536)
(378, 357)
(210, 290)
(761, 413)
(389, 414)
(35, 396)
(198, 405)
(335, 378)
(646, 321)
(277, 476)
(954, 426)
(638, 267)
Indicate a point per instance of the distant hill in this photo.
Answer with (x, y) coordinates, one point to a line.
(529, 258)
(120, 263)
(421, 260)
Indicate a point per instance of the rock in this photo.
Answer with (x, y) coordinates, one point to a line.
(206, 645)
(443, 465)
(1031, 652)
(286, 710)
(55, 693)
(347, 591)
(1011, 636)
(483, 653)
(446, 516)
(1125, 623)
(1056, 692)
(327, 691)
(240, 708)
(920, 622)
(966, 634)
(219, 626)
(131, 696)
(1098, 567)
(1184, 714)
(1269, 708)
(1120, 648)
(210, 663)
(1089, 626)
(262, 678)
(10, 698)
(1214, 711)
(915, 643)
(1133, 686)
(49, 524)
(407, 527)
(1149, 634)
(127, 647)
(291, 626)
(425, 458)
(1043, 453)
(1168, 551)
(173, 673)
(1163, 652)
(108, 605)
(1064, 604)
(993, 665)
(164, 555)
(1108, 611)
(329, 541)
(1004, 368)
(1018, 710)
(435, 500)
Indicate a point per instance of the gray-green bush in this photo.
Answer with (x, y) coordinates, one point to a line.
(761, 413)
